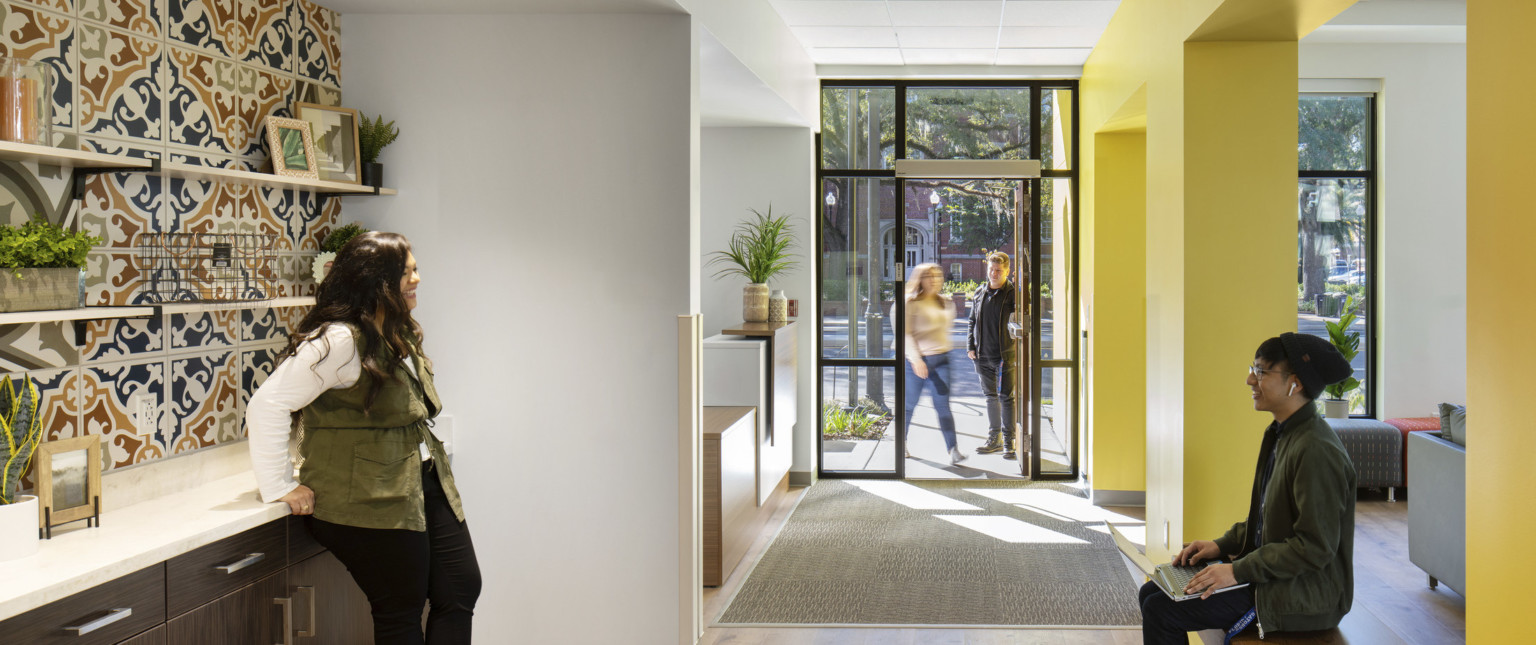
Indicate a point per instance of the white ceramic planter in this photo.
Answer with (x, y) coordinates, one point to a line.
(1336, 408)
(18, 528)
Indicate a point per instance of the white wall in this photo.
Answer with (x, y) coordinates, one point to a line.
(1423, 233)
(545, 177)
(745, 168)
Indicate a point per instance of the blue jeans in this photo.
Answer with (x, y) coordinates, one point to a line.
(938, 382)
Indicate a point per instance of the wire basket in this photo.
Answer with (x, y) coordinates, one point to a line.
(207, 267)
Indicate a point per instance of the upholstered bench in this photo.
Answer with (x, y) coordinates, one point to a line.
(1413, 424)
(1358, 627)
(1377, 450)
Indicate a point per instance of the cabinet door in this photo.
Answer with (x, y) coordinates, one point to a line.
(328, 607)
(250, 615)
(106, 613)
(154, 636)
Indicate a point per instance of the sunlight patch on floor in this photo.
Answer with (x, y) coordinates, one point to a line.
(911, 496)
(1010, 530)
(1054, 503)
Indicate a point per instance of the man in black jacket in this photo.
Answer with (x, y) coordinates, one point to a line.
(991, 349)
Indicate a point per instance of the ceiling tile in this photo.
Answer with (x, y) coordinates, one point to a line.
(1065, 56)
(1049, 36)
(947, 37)
(851, 13)
(1059, 13)
(813, 37)
(948, 56)
(960, 13)
(856, 56)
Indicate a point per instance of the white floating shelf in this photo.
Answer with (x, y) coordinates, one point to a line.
(195, 307)
(208, 173)
(64, 157)
(83, 313)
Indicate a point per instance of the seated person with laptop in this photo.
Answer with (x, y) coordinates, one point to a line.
(1294, 550)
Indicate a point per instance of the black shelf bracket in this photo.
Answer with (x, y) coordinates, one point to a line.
(80, 325)
(81, 175)
(321, 197)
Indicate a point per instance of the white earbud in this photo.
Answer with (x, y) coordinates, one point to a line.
(1292, 391)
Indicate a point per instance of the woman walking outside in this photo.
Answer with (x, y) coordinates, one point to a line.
(372, 478)
(928, 321)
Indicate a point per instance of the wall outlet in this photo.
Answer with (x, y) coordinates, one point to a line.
(142, 407)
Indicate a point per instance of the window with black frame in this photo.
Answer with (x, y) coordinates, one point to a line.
(1335, 263)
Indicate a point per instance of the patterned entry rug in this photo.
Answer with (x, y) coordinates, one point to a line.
(941, 553)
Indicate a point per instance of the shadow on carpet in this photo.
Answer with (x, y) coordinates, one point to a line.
(941, 553)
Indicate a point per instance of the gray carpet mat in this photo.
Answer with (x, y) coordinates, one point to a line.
(1027, 555)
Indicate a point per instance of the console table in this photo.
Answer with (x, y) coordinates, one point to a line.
(779, 409)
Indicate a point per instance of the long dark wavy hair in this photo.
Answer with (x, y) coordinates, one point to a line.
(363, 289)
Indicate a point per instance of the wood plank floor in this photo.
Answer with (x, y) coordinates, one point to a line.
(1386, 584)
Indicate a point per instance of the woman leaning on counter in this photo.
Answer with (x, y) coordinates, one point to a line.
(372, 479)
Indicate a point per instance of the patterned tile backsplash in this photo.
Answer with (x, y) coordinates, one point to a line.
(190, 81)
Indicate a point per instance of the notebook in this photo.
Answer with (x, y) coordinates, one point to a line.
(1170, 578)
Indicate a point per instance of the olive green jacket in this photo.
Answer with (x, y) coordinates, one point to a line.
(365, 468)
(1302, 575)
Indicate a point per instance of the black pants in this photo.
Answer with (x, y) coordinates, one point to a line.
(1164, 621)
(996, 376)
(401, 570)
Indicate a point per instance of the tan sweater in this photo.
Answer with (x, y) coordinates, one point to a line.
(928, 323)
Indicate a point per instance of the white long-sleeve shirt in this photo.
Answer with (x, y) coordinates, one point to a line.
(296, 383)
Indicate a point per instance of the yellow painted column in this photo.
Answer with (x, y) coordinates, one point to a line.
(1501, 352)
(1119, 373)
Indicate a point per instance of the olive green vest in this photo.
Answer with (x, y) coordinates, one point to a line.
(365, 469)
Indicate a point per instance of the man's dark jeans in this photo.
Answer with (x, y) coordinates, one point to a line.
(996, 375)
(1165, 622)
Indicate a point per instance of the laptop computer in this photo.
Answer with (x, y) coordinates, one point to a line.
(1172, 579)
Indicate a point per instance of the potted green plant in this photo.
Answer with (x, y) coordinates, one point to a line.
(40, 265)
(333, 243)
(372, 137)
(761, 247)
(23, 430)
(1336, 406)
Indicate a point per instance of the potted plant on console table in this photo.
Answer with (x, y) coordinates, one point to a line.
(23, 431)
(40, 265)
(759, 249)
(1336, 406)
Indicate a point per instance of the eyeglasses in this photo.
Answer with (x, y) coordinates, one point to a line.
(1259, 372)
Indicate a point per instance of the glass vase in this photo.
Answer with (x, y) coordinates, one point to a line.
(26, 105)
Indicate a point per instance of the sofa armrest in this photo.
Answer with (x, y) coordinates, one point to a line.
(1437, 508)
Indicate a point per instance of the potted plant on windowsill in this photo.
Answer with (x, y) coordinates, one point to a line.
(23, 430)
(372, 136)
(40, 265)
(1336, 406)
(760, 248)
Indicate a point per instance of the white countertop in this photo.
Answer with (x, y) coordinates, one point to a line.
(131, 538)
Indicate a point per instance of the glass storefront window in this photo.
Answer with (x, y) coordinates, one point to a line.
(968, 123)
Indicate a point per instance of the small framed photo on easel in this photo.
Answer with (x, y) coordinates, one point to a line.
(292, 148)
(68, 478)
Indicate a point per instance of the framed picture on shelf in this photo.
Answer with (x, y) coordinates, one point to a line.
(292, 148)
(68, 475)
(335, 134)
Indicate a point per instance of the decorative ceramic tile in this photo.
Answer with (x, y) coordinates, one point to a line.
(255, 366)
(111, 146)
(28, 189)
(120, 84)
(59, 396)
(299, 216)
(205, 401)
(31, 346)
(259, 325)
(118, 207)
(204, 98)
(122, 339)
(318, 43)
(112, 278)
(269, 33)
(211, 25)
(330, 216)
(210, 207)
(292, 271)
(105, 393)
(138, 16)
(206, 329)
(263, 94)
(40, 35)
(292, 316)
(60, 6)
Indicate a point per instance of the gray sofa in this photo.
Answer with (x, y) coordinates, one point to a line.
(1437, 509)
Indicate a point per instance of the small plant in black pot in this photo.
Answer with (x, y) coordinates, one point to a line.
(372, 137)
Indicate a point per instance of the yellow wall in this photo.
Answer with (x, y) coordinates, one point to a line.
(1218, 237)
(1500, 309)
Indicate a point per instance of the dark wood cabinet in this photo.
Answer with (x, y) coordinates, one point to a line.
(214, 570)
(330, 609)
(104, 614)
(251, 615)
(154, 636)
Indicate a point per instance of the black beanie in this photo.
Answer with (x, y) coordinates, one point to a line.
(1314, 361)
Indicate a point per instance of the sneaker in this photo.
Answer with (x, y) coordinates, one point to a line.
(1010, 455)
(994, 445)
(955, 456)
(1010, 446)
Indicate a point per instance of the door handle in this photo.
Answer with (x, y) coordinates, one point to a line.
(111, 617)
(309, 594)
(287, 605)
(242, 563)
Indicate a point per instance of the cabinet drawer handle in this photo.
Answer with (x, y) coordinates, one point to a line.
(242, 563)
(112, 617)
(287, 605)
(309, 593)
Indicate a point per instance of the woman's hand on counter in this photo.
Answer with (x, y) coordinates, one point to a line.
(300, 500)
